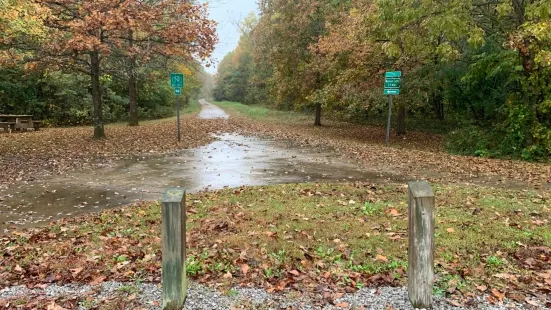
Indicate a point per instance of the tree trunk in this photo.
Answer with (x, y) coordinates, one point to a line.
(401, 122)
(528, 63)
(133, 115)
(437, 104)
(530, 94)
(99, 131)
(317, 122)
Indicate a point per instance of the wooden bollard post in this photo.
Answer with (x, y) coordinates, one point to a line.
(421, 244)
(174, 248)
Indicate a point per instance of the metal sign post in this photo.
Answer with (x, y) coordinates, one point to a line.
(388, 123)
(392, 88)
(177, 82)
(178, 116)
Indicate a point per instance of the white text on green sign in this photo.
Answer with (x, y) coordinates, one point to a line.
(393, 74)
(177, 91)
(392, 83)
(177, 80)
(392, 91)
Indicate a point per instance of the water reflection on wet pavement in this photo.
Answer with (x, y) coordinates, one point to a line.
(233, 160)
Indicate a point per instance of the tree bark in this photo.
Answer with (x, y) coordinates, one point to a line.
(317, 122)
(133, 114)
(437, 103)
(99, 131)
(528, 63)
(401, 122)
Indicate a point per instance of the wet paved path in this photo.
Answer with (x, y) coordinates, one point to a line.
(232, 161)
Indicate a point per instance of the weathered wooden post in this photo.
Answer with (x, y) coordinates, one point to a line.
(174, 248)
(421, 244)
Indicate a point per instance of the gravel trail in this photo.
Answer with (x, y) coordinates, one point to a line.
(148, 296)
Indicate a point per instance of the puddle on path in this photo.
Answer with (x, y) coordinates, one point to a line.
(209, 111)
(231, 161)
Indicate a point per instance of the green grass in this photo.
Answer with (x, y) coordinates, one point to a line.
(261, 112)
(269, 113)
(343, 229)
(193, 107)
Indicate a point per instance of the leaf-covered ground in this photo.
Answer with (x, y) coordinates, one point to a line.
(316, 239)
(32, 155)
(417, 154)
(28, 156)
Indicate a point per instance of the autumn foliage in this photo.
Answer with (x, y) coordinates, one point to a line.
(82, 35)
(483, 66)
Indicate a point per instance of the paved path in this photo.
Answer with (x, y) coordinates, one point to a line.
(232, 160)
(209, 111)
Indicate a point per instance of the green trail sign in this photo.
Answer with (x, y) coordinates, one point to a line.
(393, 74)
(392, 91)
(392, 88)
(177, 80)
(392, 83)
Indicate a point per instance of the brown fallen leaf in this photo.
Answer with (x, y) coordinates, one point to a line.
(54, 306)
(456, 303)
(227, 275)
(97, 280)
(76, 271)
(294, 272)
(498, 294)
(482, 288)
(394, 212)
(531, 302)
(342, 305)
(450, 230)
(245, 268)
(381, 258)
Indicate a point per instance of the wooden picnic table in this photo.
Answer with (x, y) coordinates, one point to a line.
(18, 122)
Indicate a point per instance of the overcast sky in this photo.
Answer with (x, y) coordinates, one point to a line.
(227, 13)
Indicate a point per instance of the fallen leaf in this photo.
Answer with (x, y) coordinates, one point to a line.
(381, 258)
(245, 268)
(531, 302)
(96, 280)
(76, 271)
(498, 294)
(482, 288)
(450, 230)
(394, 212)
(54, 306)
(342, 305)
(294, 272)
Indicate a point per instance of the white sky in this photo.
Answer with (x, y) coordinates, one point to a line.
(228, 13)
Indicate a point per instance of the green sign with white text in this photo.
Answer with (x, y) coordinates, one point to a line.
(177, 91)
(392, 83)
(393, 74)
(392, 91)
(177, 80)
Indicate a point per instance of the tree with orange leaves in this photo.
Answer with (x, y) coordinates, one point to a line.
(80, 35)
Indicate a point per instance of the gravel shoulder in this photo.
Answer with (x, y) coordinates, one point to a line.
(148, 296)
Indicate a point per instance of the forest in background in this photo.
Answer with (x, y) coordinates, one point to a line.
(481, 67)
(71, 62)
